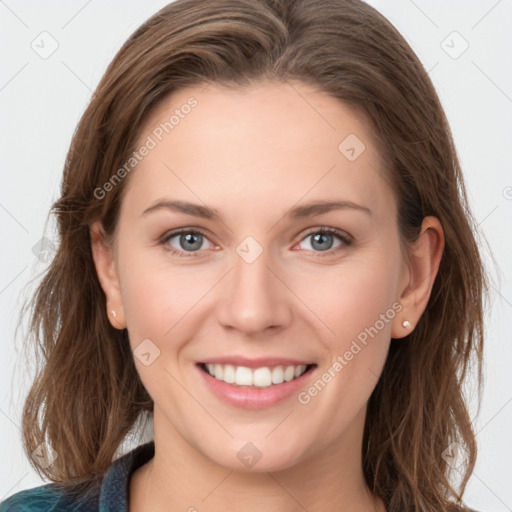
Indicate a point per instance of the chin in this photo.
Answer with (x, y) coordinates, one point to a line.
(258, 456)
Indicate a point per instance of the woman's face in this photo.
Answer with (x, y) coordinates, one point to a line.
(252, 286)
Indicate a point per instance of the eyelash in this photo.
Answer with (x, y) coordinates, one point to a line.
(344, 238)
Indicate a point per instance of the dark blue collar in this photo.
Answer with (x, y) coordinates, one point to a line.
(115, 487)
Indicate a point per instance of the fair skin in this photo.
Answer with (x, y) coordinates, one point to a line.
(253, 155)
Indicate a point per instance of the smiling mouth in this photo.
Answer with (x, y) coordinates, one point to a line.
(261, 377)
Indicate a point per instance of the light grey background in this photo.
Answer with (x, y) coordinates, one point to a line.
(42, 99)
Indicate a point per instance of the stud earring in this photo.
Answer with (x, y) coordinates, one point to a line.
(406, 324)
(113, 313)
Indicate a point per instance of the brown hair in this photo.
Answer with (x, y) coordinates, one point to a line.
(87, 393)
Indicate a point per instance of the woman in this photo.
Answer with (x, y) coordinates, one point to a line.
(308, 350)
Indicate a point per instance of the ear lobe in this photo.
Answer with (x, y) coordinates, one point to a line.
(103, 256)
(424, 259)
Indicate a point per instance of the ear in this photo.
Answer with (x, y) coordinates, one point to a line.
(103, 255)
(421, 271)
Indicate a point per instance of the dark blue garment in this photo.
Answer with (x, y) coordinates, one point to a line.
(112, 496)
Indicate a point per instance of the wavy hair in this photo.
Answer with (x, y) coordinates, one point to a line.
(87, 394)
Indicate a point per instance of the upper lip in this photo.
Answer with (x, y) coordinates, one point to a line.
(256, 362)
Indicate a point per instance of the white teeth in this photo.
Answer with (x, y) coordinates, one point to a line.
(243, 376)
(289, 373)
(277, 375)
(299, 370)
(219, 372)
(260, 377)
(229, 374)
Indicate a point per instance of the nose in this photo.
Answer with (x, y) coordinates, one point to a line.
(255, 297)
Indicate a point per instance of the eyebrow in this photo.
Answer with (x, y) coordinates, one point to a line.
(205, 212)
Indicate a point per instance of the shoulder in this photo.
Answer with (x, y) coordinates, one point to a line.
(45, 498)
(111, 490)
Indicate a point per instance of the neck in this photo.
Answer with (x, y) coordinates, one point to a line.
(179, 477)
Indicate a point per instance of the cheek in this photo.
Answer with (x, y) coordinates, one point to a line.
(155, 293)
(150, 298)
(358, 308)
(352, 298)
(355, 306)
(157, 305)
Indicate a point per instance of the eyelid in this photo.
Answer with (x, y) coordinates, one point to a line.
(343, 235)
(345, 238)
(171, 234)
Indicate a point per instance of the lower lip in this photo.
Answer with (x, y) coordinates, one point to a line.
(254, 398)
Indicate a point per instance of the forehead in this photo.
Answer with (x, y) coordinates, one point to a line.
(272, 142)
